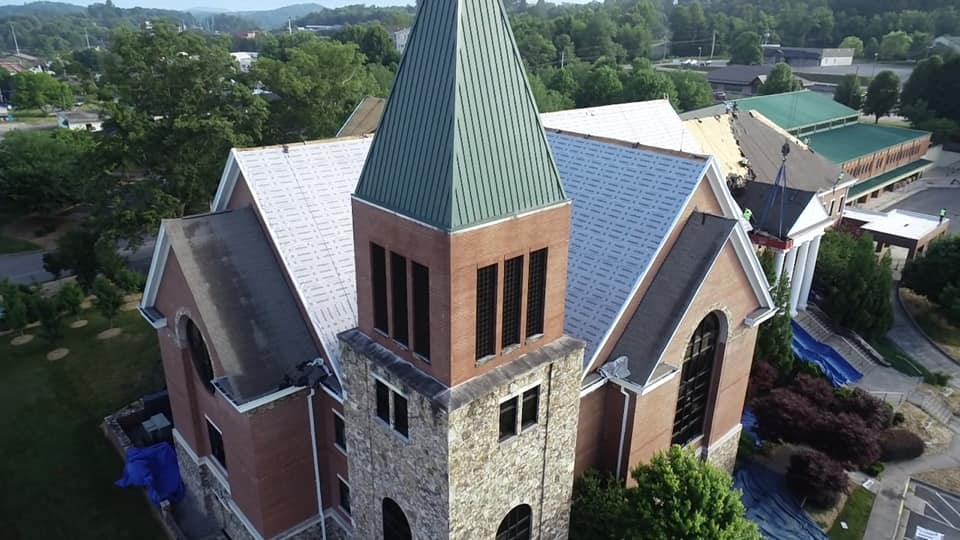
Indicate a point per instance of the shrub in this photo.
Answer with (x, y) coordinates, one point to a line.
(51, 318)
(846, 438)
(818, 390)
(899, 445)
(875, 468)
(763, 378)
(898, 418)
(874, 411)
(784, 415)
(936, 378)
(813, 476)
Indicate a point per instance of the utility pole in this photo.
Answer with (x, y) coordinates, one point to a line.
(289, 26)
(15, 44)
(713, 45)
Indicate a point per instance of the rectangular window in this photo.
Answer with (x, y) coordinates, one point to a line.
(833, 203)
(378, 279)
(339, 432)
(508, 418)
(421, 310)
(398, 281)
(512, 289)
(383, 402)
(400, 414)
(344, 495)
(536, 292)
(216, 445)
(531, 407)
(486, 311)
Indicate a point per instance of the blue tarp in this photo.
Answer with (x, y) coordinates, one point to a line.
(836, 368)
(154, 467)
(772, 507)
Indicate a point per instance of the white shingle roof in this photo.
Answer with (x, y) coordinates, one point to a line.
(651, 123)
(303, 194)
(625, 202)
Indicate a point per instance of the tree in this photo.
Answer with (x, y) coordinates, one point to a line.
(882, 94)
(746, 49)
(318, 85)
(846, 438)
(680, 496)
(895, 46)
(853, 42)
(849, 92)
(37, 90)
(763, 379)
(44, 171)
(548, 100)
(921, 86)
(108, 298)
(373, 41)
(598, 509)
(70, 297)
(600, 86)
(815, 477)
(16, 314)
(51, 318)
(780, 80)
(693, 90)
(784, 415)
(775, 337)
(933, 272)
(644, 83)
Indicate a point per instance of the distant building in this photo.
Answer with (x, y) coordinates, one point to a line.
(739, 80)
(80, 120)
(245, 59)
(946, 44)
(807, 57)
(400, 38)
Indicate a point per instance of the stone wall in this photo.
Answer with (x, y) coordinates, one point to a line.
(488, 478)
(723, 454)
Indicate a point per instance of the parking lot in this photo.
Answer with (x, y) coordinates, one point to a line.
(934, 514)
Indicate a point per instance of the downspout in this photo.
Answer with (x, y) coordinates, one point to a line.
(316, 463)
(623, 429)
(546, 436)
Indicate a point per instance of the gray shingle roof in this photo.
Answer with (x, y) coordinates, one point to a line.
(249, 312)
(662, 308)
(787, 205)
(738, 74)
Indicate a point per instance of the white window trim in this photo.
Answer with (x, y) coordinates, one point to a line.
(340, 496)
(211, 458)
(390, 404)
(518, 395)
(344, 420)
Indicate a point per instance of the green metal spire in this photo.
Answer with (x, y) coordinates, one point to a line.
(460, 142)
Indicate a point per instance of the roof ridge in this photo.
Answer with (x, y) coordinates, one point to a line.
(632, 145)
(310, 142)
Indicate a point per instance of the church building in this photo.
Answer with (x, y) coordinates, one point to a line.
(431, 331)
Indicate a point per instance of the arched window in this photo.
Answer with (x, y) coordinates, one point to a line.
(200, 355)
(395, 526)
(516, 526)
(695, 378)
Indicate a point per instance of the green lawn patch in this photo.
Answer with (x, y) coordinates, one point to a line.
(15, 245)
(57, 467)
(855, 514)
(900, 360)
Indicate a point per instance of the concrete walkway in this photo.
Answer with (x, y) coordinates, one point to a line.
(885, 519)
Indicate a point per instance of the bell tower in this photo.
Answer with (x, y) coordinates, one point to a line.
(462, 390)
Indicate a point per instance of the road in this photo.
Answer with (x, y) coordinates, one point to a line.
(7, 127)
(864, 69)
(27, 268)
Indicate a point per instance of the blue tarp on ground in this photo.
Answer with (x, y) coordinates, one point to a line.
(772, 508)
(154, 467)
(836, 368)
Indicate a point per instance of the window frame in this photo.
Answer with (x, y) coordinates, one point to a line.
(512, 318)
(391, 421)
(192, 329)
(212, 426)
(504, 531)
(696, 386)
(487, 348)
(336, 443)
(341, 483)
(381, 313)
(400, 333)
(536, 321)
(519, 427)
(420, 339)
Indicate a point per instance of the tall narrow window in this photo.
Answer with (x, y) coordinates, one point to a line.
(400, 414)
(339, 432)
(398, 282)
(508, 418)
(531, 407)
(344, 495)
(216, 445)
(421, 310)
(688, 424)
(833, 203)
(486, 311)
(512, 289)
(516, 526)
(378, 279)
(200, 355)
(536, 292)
(383, 402)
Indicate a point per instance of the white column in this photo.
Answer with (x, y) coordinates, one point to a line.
(789, 264)
(778, 257)
(797, 281)
(808, 273)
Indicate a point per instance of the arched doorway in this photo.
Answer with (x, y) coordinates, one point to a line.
(395, 525)
(516, 525)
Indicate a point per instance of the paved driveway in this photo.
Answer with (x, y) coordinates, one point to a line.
(27, 268)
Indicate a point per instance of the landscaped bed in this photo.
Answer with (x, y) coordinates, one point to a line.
(855, 514)
(948, 479)
(935, 435)
(934, 325)
(57, 467)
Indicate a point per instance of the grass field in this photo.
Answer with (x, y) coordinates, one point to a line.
(56, 466)
(855, 514)
(15, 245)
(900, 360)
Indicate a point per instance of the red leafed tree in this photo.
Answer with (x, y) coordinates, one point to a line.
(785, 415)
(816, 389)
(763, 378)
(846, 438)
(817, 478)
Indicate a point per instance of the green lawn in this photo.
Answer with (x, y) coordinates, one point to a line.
(855, 514)
(900, 360)
(56, 466)
(15, 245)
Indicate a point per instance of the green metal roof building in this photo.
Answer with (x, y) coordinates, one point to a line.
(857, 140)
(802, 112)
(460, 142)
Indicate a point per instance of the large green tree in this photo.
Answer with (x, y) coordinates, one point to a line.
(775, 337)
(317, 84)
(780, 80)
(936, 274)
(746, 49)
(882, 94)
(373, 41)
(895, 45)
(853, 42)
(849, 92)
(43, 171)
(37, 90)
(676, 496)
(693, 90)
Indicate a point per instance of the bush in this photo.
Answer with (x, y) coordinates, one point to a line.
(898, 418)
(874, 411)
(817, 478)
(875, 468)
(936, 378)
(51, 318)
(763, 379)
(785, 415)
(899, 445)
(846, 438)
(818, 390)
